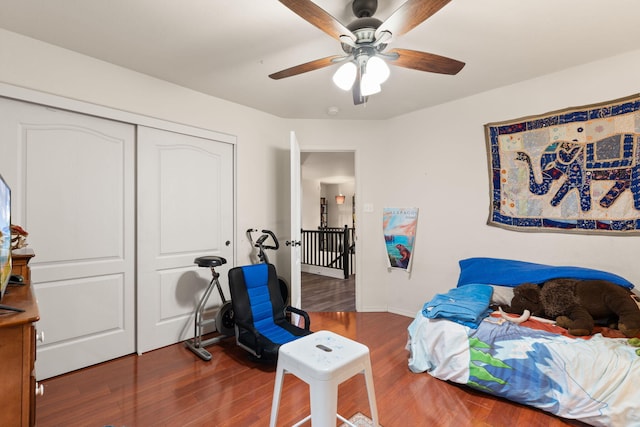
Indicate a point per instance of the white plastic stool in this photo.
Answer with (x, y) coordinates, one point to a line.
(323, 360)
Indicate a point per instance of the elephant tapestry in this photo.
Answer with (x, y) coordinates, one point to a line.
(575, 170)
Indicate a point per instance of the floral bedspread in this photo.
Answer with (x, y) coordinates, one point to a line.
(594, 380)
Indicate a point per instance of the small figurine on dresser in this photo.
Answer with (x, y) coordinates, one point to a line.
(18, 237)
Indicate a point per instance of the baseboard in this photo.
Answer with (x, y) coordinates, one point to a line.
(373, 309)
(322, 271)
(402, 312)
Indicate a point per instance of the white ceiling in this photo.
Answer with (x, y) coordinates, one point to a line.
(228, 48)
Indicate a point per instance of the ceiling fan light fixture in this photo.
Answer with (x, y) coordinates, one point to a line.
(365, 40)
(345, 75)
(378, 69)
(368, 85)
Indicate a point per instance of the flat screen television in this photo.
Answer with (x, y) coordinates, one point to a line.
(5, 235)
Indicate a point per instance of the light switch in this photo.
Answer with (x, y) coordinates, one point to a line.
(368, 207)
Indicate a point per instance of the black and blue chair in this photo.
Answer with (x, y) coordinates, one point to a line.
(261, 323)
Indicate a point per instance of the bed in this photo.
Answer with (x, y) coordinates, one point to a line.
(593, 379)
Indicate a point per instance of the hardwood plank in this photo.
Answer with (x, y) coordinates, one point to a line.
(323, 294)
(173, 387)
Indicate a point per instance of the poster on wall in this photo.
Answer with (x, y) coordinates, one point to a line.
(399, 227)
(575, 170)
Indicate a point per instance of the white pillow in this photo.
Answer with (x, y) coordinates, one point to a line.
(502, 295)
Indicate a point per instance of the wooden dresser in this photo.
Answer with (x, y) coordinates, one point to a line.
(18, 349)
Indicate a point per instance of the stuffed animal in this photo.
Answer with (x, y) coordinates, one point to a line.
(526, 297)
(574, 304)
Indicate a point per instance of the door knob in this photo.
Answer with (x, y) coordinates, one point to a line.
(227, 243)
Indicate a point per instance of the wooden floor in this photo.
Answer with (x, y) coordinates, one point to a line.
(173, 387)
(322, 293)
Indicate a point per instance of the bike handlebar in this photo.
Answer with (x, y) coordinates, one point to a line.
(275, 240)
(260, 242)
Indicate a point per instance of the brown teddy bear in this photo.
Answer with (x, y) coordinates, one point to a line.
(575, 303)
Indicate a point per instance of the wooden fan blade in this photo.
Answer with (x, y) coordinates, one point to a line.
(306, 67)
(411, 14)
(424, 61)
(317, 16)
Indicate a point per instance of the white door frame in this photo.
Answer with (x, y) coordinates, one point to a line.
(356, 160)
(296, 297)
(82, 107)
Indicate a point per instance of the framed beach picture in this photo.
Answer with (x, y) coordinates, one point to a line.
(399, 228)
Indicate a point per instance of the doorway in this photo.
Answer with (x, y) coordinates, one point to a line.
(328, 203)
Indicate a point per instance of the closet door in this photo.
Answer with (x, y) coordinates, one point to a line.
(185, 210)
(72, 178)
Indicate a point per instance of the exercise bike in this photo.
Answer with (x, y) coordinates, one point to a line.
(263, 258)
(224, 322)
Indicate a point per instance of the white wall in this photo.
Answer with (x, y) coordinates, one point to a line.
(439, 156)
(310, 189)
(375, 180)
(339, 215)
(262, 146)
(439, 164)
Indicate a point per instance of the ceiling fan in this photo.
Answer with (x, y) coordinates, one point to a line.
(364, 42)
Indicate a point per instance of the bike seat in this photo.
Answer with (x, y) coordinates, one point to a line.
(210, 261)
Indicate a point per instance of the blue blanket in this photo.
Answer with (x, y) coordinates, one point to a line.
(467, 305)
(504, 272)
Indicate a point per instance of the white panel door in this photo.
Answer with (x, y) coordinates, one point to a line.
(296, 291)
(185, 210)
(73, 184)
